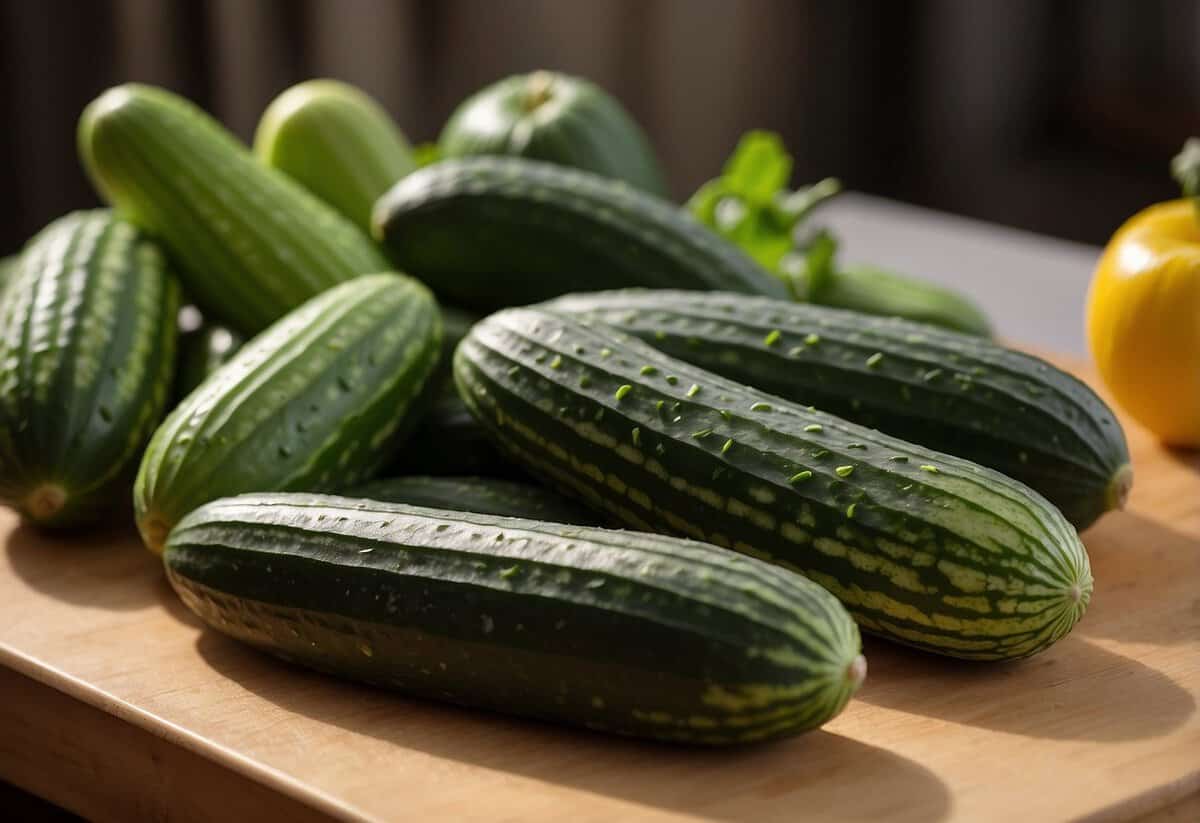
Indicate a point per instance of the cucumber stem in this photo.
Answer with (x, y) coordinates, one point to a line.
(538, 90)
(1119, 487)
(1185, 168)
(46, 501)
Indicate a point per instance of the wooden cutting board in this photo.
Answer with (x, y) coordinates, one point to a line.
(117, 704)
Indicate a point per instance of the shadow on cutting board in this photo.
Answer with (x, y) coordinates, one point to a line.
(104, 567)
(1146, 577)
(1074, 691)
(816, 774)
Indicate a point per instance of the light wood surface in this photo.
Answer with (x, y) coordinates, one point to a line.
(116, 699)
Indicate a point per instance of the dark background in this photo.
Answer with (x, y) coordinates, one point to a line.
(1054, 115)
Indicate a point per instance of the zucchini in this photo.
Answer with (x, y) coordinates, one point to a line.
(203, 348)
(634, 634)
(488, 232)
(87, 343)
(922, 547)
(337, 142)
(558, 119)
(482, 495)
(951, 392)
(316, 402)
(449, 441)
(252, 244)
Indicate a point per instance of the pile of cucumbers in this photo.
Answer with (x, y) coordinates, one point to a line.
(513, 430)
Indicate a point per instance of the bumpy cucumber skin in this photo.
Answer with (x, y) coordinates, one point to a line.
(558, 119)
(251, 243)
(316, 402)
(489, 232)
(87, 343)
(337, 142)
(634, 634)
(481, 495)
(951, 392)
(922, 547)
(202, 351)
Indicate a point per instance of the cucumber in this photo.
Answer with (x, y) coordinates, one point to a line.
(455, 325)
(482, 495)
(87, 343)
(203, 348)
(634, 634)
(314, 403)
(488, 232)
(559, 119)
(951, 392)
(922, 547)
(8, 266)
(449, 441)
(337, 142)
(251, 243)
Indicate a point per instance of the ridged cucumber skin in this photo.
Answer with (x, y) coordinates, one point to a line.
(490, 232)
(251, 243)
(317, 402)
(922, 547)
(449, 441)
(202, 351)
(87, 343)
(337, 142)
(952, 392)
(481, 495)
(627, 633)
(555, 118)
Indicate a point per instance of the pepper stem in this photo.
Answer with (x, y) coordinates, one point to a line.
(798, 204)
(1185, 168)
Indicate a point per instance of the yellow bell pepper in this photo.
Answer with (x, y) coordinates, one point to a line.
(1143, 314)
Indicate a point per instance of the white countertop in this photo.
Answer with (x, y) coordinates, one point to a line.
(1033, 287)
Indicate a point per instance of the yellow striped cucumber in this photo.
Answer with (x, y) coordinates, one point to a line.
(922, 547)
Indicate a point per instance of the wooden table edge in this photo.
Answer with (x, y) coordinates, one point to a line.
(171, 733)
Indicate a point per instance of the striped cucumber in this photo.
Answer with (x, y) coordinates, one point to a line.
(316, 402)
(951, 392)
(559, 119)
(251, 243)
(635, 634)
(337, 142)
(488, 232)
(482, 495)
(87, 343)
(922, 547)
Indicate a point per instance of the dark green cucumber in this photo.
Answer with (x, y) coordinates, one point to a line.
(450, 441)
(482, 495)
(203, 348)
(316, 402)
(87, 350)
(337, 142)
(488, 232)
(251, 243)
(922, 547)
(559, 119)
(951, 392)
(635, 634)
